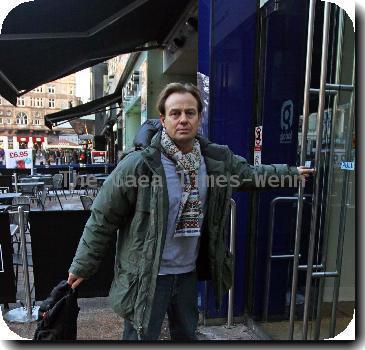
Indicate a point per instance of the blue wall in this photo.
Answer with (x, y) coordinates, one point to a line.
(231, 107)
(282, 74)
(230, 62)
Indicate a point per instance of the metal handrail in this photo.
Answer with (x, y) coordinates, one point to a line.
(343, 214)
(232, 247)
(319, 128)
(298, 231)
(269, 250)
(340, 33)
(23, 247)
(25, 314)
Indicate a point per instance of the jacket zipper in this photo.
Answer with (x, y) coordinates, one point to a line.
(140, 328)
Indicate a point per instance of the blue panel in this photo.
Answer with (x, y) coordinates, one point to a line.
(204, 62)
(231, 107)
(203, 85)
(204, 36)
(282, 74)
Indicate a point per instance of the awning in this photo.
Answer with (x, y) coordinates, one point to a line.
(38, 139)
(63, 144)
(83, 126)
(79, 111)
(44, 40)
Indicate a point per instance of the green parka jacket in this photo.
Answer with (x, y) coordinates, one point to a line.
(138, 214)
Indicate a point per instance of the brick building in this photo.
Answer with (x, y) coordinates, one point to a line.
(23, 125)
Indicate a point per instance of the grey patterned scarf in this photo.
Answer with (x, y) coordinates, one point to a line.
(190, 209)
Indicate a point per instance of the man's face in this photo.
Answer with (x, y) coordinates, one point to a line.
(182, 118)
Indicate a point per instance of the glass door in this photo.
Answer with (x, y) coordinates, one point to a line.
(333, 283)
(320, 288)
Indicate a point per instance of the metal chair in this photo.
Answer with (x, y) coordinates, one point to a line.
(43, 194)
(86, 201)
(25, 202)
(21, 200)
(29, 191)
(57, 181)
(15, 230)
(14, 219)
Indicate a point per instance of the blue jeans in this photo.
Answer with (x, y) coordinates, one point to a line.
(177, 295)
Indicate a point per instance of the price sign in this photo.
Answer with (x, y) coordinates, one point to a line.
(19, 159)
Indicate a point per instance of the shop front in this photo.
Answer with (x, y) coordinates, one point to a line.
(295, 247)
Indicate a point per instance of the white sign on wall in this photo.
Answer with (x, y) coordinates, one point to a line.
(19, 159)
(257, 146)
(286, 121)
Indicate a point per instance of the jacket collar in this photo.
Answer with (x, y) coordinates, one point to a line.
(215, 156)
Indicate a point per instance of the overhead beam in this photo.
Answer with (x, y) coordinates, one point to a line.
(77, 35)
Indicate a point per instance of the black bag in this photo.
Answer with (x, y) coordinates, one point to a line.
(57, 315)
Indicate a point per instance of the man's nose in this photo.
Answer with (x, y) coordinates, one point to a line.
(183, 118)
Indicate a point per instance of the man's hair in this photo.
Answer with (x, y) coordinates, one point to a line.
(180, 88)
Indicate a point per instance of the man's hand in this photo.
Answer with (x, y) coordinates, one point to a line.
(305, 171)
(73, 280)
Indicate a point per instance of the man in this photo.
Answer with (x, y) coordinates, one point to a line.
(171, 226)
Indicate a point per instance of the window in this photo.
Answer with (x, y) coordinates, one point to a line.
(51, 103)
(8, 113)
(22, 119)
(38, 89)
(32, 102)
(37, 118)
(1, 101)
(39, 102)
(8, 121)
(1, 112)
(21, 102)
(72, 90)
(1, 121)
(51, 89)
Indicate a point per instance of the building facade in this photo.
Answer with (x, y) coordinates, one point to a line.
(22, 126)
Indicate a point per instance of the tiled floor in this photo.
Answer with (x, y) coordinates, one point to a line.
(96, 320)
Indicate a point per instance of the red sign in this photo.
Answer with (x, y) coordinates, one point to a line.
(98, 157)
(23, 139)
(258, 139)
(38, 139)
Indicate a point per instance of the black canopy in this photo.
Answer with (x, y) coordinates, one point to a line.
(44, 40)
(82, 110)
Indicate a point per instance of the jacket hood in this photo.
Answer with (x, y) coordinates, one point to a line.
(149, 134)
(146, 132)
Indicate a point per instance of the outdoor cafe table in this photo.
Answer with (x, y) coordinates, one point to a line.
(29, 184)
(3, 207)
(35, 183)
(8, 197)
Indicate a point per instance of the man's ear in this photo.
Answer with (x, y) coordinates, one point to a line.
(162, 120)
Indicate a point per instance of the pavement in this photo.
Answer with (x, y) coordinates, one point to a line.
(97, 321)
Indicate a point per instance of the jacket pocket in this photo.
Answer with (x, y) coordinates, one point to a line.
(227, 272)
(123, 293)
